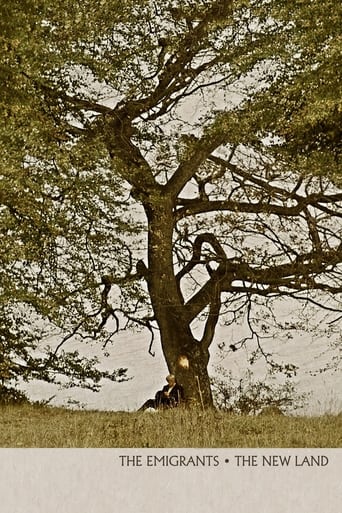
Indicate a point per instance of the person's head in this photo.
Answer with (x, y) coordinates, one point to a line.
(171, 380)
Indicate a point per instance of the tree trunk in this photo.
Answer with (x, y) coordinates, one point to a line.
(184, 355)
(186, 358)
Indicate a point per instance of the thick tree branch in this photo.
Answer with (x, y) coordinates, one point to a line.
(315, 199)
(199, 153)
(196, 206)
(298, 275)
(283, 204)
(208, 238)
(212, 319)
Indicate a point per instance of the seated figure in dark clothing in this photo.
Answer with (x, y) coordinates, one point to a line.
(170, 396)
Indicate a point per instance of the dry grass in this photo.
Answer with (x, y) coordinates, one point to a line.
(33, 426)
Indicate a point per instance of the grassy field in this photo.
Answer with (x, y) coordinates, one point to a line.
(37, 426)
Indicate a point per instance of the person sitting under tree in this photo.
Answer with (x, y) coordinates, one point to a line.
(170, 396)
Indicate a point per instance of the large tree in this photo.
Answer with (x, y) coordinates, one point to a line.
(150, 178)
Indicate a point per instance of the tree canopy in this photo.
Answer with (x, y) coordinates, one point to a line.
(167, 165)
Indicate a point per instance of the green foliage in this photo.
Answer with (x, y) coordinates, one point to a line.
(22, 358)
(306, 103)
(10, 395)
(249, 396)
